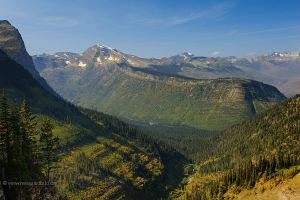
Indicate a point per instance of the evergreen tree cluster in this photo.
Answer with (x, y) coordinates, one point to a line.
(27, 152)
(131, 132)
(172, 160)
(255, 149)
(245, 175)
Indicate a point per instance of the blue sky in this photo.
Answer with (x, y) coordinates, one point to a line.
(156, 28)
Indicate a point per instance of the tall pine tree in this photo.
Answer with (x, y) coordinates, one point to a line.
(5, 145)
(49, 146)
(29, 144)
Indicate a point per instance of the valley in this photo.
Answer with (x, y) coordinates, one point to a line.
(116, 88)
(249, 157)
(182, 127)
(128, 159)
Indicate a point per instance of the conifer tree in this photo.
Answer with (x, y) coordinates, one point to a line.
(19, 152)
(29, 145)
(18, 168)
(49, 147)
(4, 143)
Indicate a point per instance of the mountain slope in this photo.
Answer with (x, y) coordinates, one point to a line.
(251, 153)
(115, 87)
(275, 69)
(12, 44)
(287, 189)
(127, 167)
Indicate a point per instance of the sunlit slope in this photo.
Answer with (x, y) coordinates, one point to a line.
(95, 161)
(207, 104)
(258, 154)
(107, 169)
(272, 190)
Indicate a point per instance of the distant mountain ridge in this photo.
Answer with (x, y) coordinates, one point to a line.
(276, 69)
(154, 90)
(103, 157)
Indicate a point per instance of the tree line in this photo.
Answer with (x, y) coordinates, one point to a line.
(245, 175)
(172, 160)
(28, 151)
(260, 148)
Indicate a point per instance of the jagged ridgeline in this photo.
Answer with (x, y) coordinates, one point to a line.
(95, 160)
(248, 155)
(278, 69)
(114, 87)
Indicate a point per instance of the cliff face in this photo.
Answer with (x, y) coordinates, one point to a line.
(12, 44)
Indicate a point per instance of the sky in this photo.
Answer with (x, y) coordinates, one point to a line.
(157, 28)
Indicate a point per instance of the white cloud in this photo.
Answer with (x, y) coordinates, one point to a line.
(216, 53)
(216, 12)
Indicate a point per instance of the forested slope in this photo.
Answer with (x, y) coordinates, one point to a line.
(149, 97)
(95, 160)
(255, 150)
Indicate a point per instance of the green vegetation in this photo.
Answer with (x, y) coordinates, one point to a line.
(25, 153)
(92, 155)
(133, 95)
(96, 170)
(190, 142)
(99, 157)
(170, 165)
(247, 153)
(281, 186)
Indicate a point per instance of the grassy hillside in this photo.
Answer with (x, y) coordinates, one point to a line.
(245, 154)
(96, 160)
(206, 104)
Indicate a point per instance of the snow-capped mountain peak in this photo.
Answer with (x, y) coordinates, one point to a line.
(285, 55)
(101, 46)
(102, 54)
(182, 57)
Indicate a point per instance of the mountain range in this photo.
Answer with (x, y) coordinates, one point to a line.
(278, 69)
(157, 91)
(255, 155)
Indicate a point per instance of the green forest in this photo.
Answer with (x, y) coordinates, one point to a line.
(261, 149)
(29, 152)
(114, 131)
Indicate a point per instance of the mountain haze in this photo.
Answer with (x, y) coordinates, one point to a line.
(276, 69)
(107, 80)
